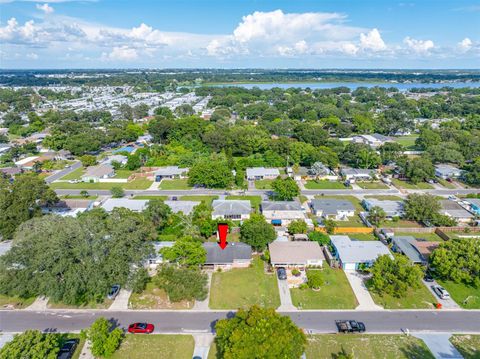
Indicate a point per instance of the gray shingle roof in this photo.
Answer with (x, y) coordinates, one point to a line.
(231, 207)
(406, 245)
(281, 206)
(332, 206)
(232, 252)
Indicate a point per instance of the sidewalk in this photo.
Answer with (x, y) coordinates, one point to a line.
(440, 345)
(365, 301)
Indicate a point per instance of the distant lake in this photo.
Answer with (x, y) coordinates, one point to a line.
(350, 85)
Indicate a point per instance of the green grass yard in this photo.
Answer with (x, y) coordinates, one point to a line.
(409, 185)
(121, 173)
(386, 198)
(136, 184)
(418, 298)
(467, 297)
(372, 185)
(207, 199)
(367, 346)
(155, 298)
(155, 346)
(431, 237)
(74, 175)
(401, 223)
(263, 184)
(244, 287)
(172, 184)
(446, 184)
(78, 196)
(362, 236)
(407, 141)
(15, 302)
(467, 345)
(161, 198)
(314, 184)
(335, 293)
(254, 200)
(355, 201)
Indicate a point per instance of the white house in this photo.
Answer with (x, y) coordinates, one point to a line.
(96, 173)
(358, 174)
(281, 213)
(136, 205)
(391, 208)
(374, 140)
(170, 172)
(260, 173)
(231, 209)
(338, 209)
(351, 254)
(447, 171)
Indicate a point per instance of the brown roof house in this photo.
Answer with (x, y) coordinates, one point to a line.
(96, 173)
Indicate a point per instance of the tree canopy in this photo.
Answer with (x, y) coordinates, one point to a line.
(259, 333)
(257, 232)
(285, 189)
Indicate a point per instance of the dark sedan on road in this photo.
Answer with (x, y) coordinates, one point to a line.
(141, 328)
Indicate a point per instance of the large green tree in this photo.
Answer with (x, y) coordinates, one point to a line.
(395, 276)
(20, 200)
(458, 260)
(421, 207)
(186, 251)
(182, 283)
(285, 189)
(211, 172)
(259, 333)
(104, 337)
(257, 232)
(31, 344)
(75, 260)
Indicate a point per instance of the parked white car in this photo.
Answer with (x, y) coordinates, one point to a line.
(441, 292)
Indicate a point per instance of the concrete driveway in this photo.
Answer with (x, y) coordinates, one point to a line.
(285, 297)
(365, 301)
(63, 172)
(121, 300)
(440, 345)
(202, 345)
(446, 303)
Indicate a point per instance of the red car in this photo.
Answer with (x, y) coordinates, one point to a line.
(139, 328)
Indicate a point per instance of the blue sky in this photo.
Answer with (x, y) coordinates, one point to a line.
(239, 33)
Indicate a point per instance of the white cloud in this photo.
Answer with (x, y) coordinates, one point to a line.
(32, 56)
(419, 46)
(465, 44)
(123, 53)
(47, 9)
(372, 41)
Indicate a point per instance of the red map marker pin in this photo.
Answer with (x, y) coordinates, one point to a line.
(222, 230)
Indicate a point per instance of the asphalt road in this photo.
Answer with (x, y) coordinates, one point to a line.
(332, 192)
(195, 321)
(63, 172)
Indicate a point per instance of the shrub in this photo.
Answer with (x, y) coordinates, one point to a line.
(314, 279)
(182, 283)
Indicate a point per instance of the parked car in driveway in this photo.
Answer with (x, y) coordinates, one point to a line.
(113, 291)
(428, 277)
(68, 349)
(141, 328)
(440, 292)
(281, 273)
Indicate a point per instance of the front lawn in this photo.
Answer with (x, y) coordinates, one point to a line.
(366, 346)
(467, 297)
(254, 200)
(335, 293)
(207, 199)
(263, 184)
(407, 141)
(355, 201)
(172, 184)
(155, 298)
(138, 183)
(74, 175)
(401, 223)
(15, 302)
(78, 196)
(418, 298)
(244, 287)
(121, 173)
(155, 346)
(467, 345)
(409, 185)
(431, 237)
(362, 236)
(314, 184)
(372, 185)
(445, 183)
(386, 198)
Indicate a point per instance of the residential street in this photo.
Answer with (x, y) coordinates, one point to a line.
(63, 172)
(385, 321)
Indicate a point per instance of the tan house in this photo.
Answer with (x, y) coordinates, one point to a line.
(295, 254)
